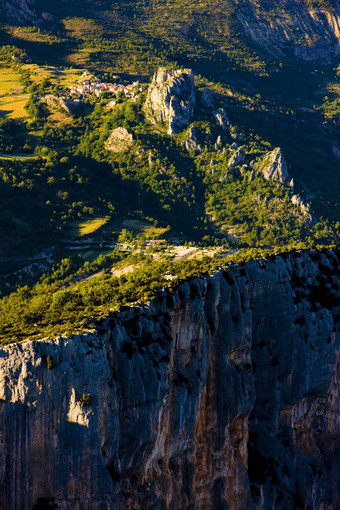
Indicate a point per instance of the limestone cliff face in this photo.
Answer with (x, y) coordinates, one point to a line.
(224, 394)
(18, 11)
(171, 98)
(308, 30)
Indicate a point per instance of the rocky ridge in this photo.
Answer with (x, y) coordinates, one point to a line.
(310, 32)
(223, 394)
(273, 166)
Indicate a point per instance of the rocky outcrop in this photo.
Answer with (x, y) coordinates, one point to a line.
(21, 12)
(221, 118)
(237, 158)
(171, 99)
(304, 207)
(273, 167)
(308, 30)
(120, 140)
(57, 103)
(223, 394)
(191, 142)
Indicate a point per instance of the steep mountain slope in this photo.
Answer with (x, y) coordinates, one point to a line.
(18, 11)
(309, 30)
(224, 394)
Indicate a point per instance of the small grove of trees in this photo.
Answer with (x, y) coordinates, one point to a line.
(35, 109)
(126, 236)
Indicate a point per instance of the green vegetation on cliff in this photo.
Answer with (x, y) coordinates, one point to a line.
(67, 196)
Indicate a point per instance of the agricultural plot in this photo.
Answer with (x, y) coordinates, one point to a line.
(12, 100)
(141, 228)
(80, 229)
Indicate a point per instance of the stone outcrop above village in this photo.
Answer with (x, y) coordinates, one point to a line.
(171, 99)
(273, 167)
(223, 394)
(120, 140)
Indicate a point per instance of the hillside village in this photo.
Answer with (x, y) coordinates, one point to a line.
(88, 84)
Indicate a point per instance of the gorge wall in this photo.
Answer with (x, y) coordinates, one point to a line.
(223, 394)
(307, 29)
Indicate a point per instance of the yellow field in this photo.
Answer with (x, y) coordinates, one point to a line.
(68, 77)
(12, 104)
(92, 255)
(33, 35)
(63, 77)
(80, 229)
(40, 73)
(8, 80)
(81, 57)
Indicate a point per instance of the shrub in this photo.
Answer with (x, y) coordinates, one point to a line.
(85, 399)
(49, 362)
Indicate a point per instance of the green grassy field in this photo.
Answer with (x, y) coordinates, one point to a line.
(141, 228)
(18, 157)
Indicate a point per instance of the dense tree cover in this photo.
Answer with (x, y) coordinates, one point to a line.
(71, 176)
(62, 305)
(157, 177)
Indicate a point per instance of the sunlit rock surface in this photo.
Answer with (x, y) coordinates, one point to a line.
(274, 167)
(171, 99)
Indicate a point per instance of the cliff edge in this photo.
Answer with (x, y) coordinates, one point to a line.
(223, 394)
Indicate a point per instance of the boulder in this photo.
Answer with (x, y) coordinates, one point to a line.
(221, 118)
(120, 140)
(151, 159)
(56, 103)
(237, 158)
(171, 99)
(218, 143)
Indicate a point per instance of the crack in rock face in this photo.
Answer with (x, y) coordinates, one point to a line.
(224, 394)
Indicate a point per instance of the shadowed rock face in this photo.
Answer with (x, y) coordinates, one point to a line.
(18, 11)
(309, 30)
(222, 395)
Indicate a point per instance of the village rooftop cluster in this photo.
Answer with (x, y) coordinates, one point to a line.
(88, 84)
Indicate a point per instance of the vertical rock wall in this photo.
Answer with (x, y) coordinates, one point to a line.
(222, 395)
(171, 99)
